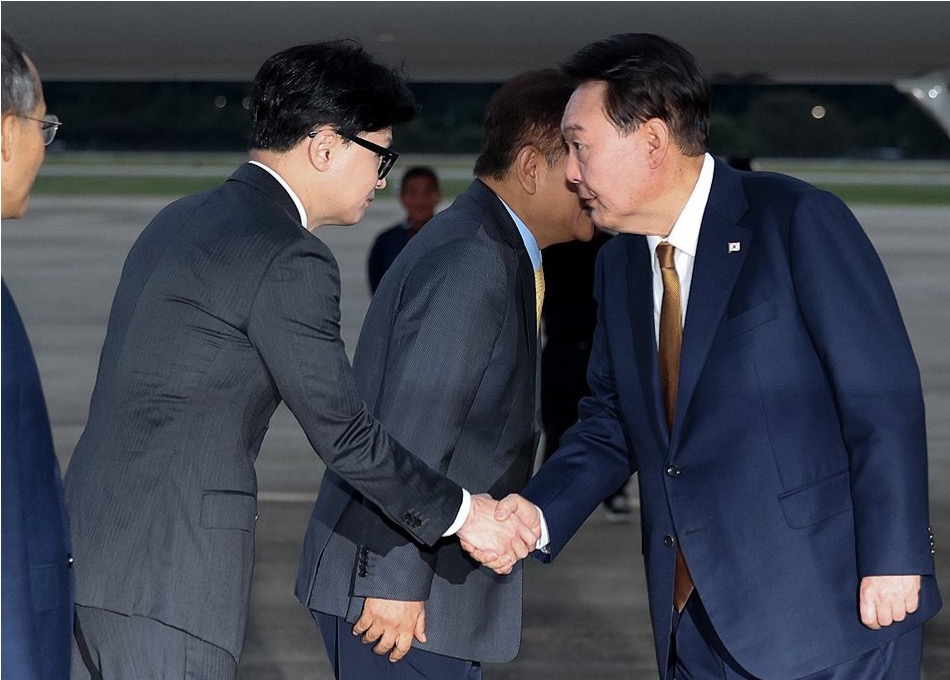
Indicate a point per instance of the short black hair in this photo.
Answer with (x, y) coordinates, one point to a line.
(21, 91)
(419, 171)
(334, 83)
(525, 110)
(649, 76)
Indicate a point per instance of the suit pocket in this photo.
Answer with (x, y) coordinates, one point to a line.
(747, 320)
(228, 510)
(812, 504)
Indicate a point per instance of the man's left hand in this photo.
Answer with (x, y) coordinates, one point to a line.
(391, 625)
(886, 599)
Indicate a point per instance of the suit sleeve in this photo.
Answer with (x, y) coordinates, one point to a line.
(450, 314)
(593, 459)
(853, 318)
(294, 323)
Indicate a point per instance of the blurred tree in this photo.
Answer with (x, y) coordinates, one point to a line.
(748, 120)
(796, 124)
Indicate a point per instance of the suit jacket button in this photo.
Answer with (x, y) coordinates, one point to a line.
(672, 471)
(70, 560)
(669, 541)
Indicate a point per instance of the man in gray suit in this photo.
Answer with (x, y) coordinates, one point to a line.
(228, 304)
(447, 360)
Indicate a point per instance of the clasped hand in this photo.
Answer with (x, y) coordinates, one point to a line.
(390, 626)
(888, 599)
(498, 534)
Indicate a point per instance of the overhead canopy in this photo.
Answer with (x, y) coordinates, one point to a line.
(819, 42)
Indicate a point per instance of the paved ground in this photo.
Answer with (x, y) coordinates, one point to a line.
(586, 615)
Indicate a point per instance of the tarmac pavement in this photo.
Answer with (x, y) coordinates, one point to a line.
(585, 615)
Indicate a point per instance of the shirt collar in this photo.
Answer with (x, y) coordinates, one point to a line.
(293, 196)
(684, 235)
(530, 243)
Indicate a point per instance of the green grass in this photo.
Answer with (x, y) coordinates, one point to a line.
(77, 174)
(76, 185)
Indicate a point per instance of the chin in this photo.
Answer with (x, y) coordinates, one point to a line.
(587, 234)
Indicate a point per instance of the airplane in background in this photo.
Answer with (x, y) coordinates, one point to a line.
(901, 43)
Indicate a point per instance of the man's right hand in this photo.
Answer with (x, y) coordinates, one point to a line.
(498, 543)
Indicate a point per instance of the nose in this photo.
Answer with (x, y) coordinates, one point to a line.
(572, 169)
(381, 183)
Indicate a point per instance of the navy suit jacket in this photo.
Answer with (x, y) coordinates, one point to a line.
(37, 592)
(797, 463)
(386, 248)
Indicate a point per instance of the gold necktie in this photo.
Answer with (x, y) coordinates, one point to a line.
(671, 344)
(538, 293)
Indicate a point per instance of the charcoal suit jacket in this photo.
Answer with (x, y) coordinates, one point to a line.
(37, 591)
(225, 307)
(797, 462)
(447, 360)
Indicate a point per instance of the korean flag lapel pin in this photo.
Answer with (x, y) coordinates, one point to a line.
(733, 247)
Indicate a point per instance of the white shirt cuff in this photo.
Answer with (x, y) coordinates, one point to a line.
(545, 539)
(462, 516)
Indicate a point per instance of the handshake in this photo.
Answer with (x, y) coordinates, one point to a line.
(499, 533)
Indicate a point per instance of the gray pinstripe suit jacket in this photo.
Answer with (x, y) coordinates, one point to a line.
(447, 361)
(226, 305)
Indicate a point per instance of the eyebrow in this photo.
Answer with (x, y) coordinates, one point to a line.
(572, 128)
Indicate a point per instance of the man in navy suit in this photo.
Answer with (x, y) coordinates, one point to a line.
(37, 593)
(782, 463)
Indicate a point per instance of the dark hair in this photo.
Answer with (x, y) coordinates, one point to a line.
(21, 91)
(648, 76)
(525, 110)
(333, 83)
(419, 171)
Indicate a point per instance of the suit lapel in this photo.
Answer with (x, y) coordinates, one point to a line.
(506, 231)
(640, 302)
(720, 254)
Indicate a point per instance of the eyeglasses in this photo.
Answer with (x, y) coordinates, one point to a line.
(50, 126)
(387, 157)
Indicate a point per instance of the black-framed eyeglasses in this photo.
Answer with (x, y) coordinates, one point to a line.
(51, 125)
(387, 157)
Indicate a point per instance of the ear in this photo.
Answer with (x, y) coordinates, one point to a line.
(658, 139)
(322, 147)
(9, 129)
(526, 166)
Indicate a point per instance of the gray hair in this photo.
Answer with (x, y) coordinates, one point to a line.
(20, 89)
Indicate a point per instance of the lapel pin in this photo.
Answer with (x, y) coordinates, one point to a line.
(734, 246)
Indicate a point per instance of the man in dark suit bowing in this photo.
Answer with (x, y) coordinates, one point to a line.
(228, 304)
(447, 360)
(37, 593)
(751, 365)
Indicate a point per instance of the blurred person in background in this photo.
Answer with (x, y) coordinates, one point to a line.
(419, 194)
